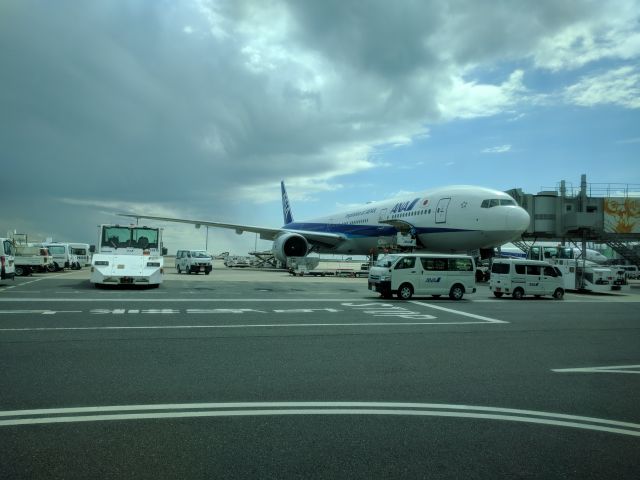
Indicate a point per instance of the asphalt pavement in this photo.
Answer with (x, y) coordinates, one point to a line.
(261, 375)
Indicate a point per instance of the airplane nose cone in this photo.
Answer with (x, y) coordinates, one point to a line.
(518, 219)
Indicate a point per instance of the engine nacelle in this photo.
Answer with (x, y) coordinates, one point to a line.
(290, 245)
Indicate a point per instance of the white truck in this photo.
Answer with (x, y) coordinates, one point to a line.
(128, 255)
(29, 259)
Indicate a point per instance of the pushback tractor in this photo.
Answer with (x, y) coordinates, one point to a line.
(128, 255)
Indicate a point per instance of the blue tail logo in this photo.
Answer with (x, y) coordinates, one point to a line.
(286, 208)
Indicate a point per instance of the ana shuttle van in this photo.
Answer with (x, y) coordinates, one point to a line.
(423, 274)
(525, 277)
(193, 261)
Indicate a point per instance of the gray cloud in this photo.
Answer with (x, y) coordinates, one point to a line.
(184, 104)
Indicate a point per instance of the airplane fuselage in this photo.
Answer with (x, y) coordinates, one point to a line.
(447, 219)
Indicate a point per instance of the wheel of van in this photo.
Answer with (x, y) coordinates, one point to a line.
(178, 269)
(207, 272)
(51, 267)
(456, 292)
(518, 293)
(19, 271)
(558, 294)
(498, 294)
(405, 291)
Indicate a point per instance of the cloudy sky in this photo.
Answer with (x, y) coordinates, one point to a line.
(198, 108)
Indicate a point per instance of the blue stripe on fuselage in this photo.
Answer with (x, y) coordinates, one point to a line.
(349, 230)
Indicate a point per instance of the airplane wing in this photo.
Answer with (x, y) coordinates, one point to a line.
(314, 238)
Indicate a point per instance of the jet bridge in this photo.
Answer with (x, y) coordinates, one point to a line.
(594, 212)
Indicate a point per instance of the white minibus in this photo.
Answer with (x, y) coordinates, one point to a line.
(423, 274)
(525, 277)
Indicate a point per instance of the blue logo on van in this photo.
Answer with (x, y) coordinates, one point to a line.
(433, 280)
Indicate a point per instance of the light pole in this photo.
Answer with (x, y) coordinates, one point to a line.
(206, 241)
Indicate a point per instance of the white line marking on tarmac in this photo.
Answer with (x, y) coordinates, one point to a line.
(458, 312)
(43, 312)
(40, 416)
(261, 325)
(190, 300)
(42, 278)
(611, 369)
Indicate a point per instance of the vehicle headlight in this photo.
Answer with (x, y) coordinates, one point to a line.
(153, 264)
(385, 278)
(102, 263)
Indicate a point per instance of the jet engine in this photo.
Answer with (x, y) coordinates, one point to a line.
(290, 245)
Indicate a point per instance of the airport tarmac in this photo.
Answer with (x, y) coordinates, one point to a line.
(247, 373)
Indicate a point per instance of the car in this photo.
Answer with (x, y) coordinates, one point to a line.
(423, 274)
(193, 261)
(525, 277)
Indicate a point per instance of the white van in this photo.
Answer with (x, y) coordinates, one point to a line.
(193, 261)
(7, 259)
(81, 253)
(423, 274)
(60, 253)
(525, 277)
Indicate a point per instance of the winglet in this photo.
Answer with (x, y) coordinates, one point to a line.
(286, 208)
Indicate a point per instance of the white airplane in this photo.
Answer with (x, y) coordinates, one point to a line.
(447, 219)
(511, 251)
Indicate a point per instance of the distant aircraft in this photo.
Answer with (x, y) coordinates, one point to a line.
(511, 251)
(447, 219)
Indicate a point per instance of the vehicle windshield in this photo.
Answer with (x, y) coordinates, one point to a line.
(145, 237)
(200, 255)
(387, 261)
(125, 237)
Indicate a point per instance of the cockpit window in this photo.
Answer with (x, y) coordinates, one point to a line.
(494, 202)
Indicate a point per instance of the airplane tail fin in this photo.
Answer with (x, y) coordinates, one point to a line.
(286, 208)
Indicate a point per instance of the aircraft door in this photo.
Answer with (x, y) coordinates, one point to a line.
(383, 215)
(441, 210)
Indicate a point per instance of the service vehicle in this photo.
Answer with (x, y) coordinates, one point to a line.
(193, 261)
(7, 259)
(128, 255)
(237, 261)
(579, 273)
(520, 277)
(423, 274)
(29, 259)
(630, 270)
(81, 254)
(61, 254)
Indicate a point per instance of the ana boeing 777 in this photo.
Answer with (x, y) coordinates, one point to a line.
(447, 219)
